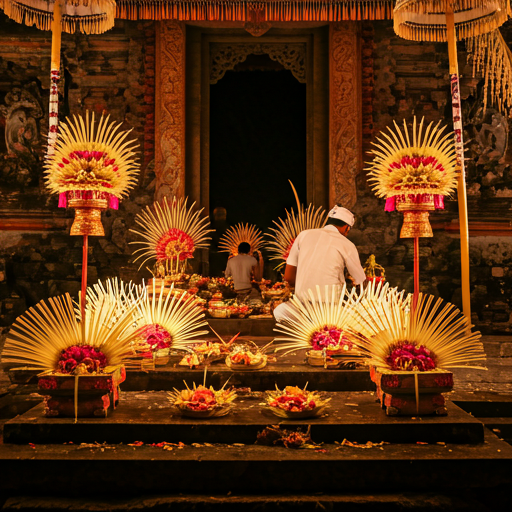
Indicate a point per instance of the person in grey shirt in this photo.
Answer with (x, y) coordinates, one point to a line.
(240, 268)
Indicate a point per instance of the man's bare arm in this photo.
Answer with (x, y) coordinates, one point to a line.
(290, 273)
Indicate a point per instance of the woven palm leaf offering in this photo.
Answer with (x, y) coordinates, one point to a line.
(282, 237)
(411, 351)
(203, 402)
(323, 327)
(247, 356)
(294, 403)
(207, 352)
(414, 174)
(93, 166)
(166, 321)
(171, 232)
(235, 235)
(82, 363)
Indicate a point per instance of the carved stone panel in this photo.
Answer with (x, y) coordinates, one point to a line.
(170, 111)
(225, 56)
(345, 113)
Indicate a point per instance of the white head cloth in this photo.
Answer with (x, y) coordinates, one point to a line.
(338, 212)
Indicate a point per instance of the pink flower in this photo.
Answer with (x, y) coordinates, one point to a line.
(410, 357)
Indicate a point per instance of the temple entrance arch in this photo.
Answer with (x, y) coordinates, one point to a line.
(334, 108)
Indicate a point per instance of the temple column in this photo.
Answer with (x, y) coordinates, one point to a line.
(170, 110)
(345, 114)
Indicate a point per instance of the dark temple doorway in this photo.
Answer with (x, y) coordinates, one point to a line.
(257, 142)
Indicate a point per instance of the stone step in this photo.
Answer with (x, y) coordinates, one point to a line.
(396, 502)
(150, 418)
(121, 471)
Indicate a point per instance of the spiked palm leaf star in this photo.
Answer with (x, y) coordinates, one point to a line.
(235, 235)
(417, 170)
(171, 231)
(92, 162)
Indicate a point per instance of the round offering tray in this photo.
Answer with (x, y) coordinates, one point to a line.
(215, 412)
(297, 415)
(245, 367)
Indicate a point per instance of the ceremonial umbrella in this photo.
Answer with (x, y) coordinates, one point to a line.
(86, 16)
(447, 20)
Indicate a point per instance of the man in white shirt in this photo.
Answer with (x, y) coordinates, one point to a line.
(240, 268)
(320, 256)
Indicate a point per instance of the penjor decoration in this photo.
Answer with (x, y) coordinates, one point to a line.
(414, 174)
(449, 20)
(171, 232)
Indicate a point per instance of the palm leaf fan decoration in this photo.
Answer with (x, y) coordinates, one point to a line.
(492, 59)
(368, 311)
(49, 337)
(123, 293)
(168, 318)
(418, 169)
(171, 233)
(324, 320)
(282, 237)
(92, 162)
(432, 336)
(235, 235)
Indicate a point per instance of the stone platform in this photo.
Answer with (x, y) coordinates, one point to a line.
(150, 418)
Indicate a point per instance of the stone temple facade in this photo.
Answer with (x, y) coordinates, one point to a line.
(145, 74)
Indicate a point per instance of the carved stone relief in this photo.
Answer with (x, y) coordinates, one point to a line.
(225, 56)
(170, 127)
(345, 113)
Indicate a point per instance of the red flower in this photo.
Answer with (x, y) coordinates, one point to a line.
(410, 357)
(93, 359)
(174, 243)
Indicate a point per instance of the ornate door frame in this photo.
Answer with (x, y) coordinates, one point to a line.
(334, 114)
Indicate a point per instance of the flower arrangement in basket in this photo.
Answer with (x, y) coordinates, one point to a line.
(323, 326)
(294, 403)
(411, 351)
(91, 168)
(79, 359)
(171, 233)
(235, 235)
(414, 175)
(282, 238)
(203, 402)
(165, 321)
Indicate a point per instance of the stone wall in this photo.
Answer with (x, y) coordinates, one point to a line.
(112, 72)
(412, 79)
(115, 72)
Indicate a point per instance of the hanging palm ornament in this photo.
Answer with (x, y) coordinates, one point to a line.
(447, 20)
(167, 320)
(171, 232)
(235, 235)
(284, 235)
(91, 168)
(86, 16)
(414, 174)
